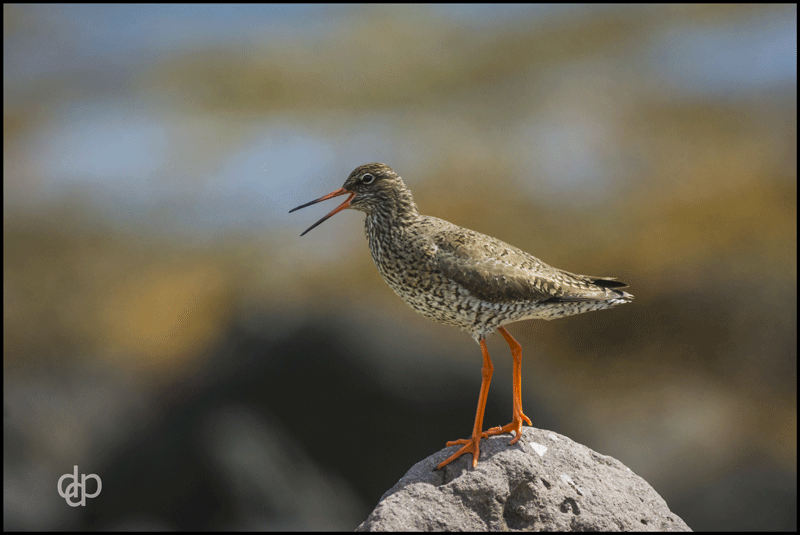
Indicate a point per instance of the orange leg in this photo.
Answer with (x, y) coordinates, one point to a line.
(518, 416)
(473, 444)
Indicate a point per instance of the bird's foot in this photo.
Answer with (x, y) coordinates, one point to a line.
(515, 425)
(470, 445)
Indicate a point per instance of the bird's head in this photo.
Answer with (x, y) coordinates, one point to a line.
(370, 187)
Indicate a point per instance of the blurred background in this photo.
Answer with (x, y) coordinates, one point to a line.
(167, 328)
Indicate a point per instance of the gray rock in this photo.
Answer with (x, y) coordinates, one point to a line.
(545, 482)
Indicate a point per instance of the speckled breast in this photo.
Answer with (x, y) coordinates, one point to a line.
(407, 267)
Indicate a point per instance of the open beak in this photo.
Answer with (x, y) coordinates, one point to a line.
(345, 204)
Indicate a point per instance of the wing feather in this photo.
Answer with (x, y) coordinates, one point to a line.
(497, 272)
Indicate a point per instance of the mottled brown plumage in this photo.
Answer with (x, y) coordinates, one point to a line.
(464, 278)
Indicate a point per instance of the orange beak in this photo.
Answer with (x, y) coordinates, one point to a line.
(345, 204)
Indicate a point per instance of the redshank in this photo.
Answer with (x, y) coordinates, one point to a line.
(463, 278)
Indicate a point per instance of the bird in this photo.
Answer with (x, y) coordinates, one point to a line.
(466, 279)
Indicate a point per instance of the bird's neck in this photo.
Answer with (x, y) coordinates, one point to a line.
(397, 210)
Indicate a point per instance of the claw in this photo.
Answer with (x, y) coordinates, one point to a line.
(470, 445)
(515, 426)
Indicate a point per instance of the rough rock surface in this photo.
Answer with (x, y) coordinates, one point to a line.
(545, 482)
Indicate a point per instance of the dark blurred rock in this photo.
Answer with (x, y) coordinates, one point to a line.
(545, 482)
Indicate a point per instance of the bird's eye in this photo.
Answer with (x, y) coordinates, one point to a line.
(367, 178)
